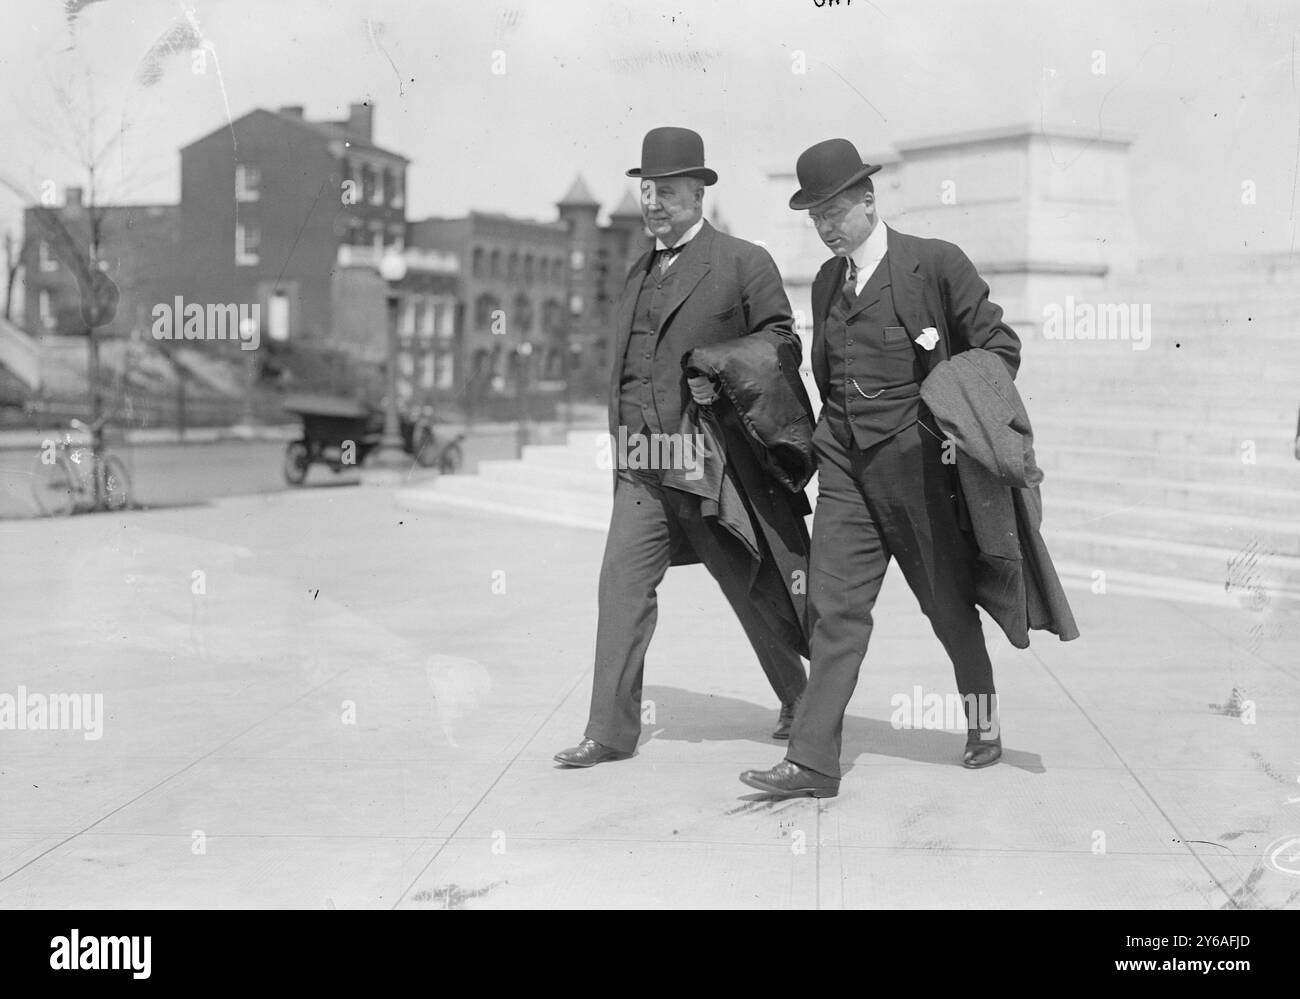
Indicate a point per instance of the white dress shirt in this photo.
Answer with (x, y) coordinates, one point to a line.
(686, 237)
(867, 257)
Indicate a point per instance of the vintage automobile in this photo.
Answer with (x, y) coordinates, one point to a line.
(340, 432)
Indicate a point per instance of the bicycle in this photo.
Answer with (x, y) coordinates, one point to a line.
(71, 477)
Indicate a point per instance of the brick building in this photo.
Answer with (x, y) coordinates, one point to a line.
(293, 216)
(537, 297)
(133, 245)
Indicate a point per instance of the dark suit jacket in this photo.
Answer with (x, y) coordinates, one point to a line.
(933, 284)
(726, 288)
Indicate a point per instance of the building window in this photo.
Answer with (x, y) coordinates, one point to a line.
(523, 315)
(248, 183)
(477, 268)
(248, 244)
(484, 306)
(553, 318)
(46, 309)
(399, 184)
(48, 263)
(528, 267)
(427, 318)
(575, 305)
(557, 270)
(496, 263)
(381, 183)
(577, 260)
(512, 267)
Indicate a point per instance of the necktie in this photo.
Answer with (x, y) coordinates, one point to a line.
(666, 257)
(850, 289)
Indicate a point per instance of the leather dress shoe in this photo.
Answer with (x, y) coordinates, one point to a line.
(785, 722)
(981, 752)
(789, 780)
(588, 753)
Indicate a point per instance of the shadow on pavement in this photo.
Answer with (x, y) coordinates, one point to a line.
(691, 716)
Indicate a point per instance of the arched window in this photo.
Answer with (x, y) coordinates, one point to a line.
(528, 267)
(523, 314)
(512, 267)
(496, 263)
(484, 306)
(478, 262)
(553, 318)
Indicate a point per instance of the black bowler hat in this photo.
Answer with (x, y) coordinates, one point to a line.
(673, 152)
(826, 169)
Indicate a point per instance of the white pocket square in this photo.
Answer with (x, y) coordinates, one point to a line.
(928, 338)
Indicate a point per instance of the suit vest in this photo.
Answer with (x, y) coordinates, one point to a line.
(874, 376)
(636, 402)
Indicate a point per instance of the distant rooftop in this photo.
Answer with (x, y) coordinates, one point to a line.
(579, 196)
(627, 207)
(356, 130)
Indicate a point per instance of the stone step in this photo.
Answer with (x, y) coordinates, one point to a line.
(1222, 530)
(569, 455)
(1178, 438)
(1085, 367)
(558, 506)
(1270, 471)
(1172, 495)
(1233, 567)
(1257, 416)
(524, 475)
(1131, 582)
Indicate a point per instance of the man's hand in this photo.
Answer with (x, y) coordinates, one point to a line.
(702, 389)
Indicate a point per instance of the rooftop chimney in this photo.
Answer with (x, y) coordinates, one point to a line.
(361, 120)
(294, 110)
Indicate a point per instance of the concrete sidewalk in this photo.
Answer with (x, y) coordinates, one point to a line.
(321, 700)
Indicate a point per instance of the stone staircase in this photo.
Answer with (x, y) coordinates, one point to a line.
(1169, 471)
(555, 483)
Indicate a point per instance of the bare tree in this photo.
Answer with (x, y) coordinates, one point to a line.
(13, 262)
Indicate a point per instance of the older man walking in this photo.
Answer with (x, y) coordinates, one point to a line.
(698, 288)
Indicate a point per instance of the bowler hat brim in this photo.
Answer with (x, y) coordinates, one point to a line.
(703, 173)
(805, 199)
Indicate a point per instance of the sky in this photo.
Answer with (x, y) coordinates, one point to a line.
(501, 105)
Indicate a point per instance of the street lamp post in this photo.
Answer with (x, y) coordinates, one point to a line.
(524, 351)
(572, 366)
(389, 454)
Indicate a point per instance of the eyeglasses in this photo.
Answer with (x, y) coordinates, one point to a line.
(830, 215)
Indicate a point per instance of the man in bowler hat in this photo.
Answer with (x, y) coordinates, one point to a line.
(884, 489)
(699, 287)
